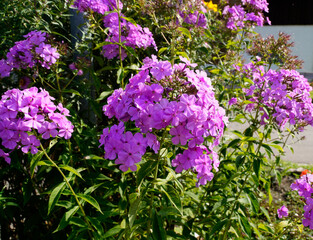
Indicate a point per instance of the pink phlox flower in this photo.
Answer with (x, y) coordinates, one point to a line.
(47, 129)
(187, 62)
(112, 147)
(181, 135)
(5, 155)
(189, 103)
(48, 53)
(63, 110)
(5, 69)
(153, 142)
(197, 139)
(30, 143)
(7, 129)
(128, 157)
(147, 118)
(66, 130)
(140, 143)
(303, 187)
(149, 62)
(282, 212)
(232, 101)
(33, 120)
(161, 70)
(308, 213)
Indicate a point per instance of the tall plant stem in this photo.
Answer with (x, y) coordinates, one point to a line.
(120, 42)
(154, 179)
(70, 187)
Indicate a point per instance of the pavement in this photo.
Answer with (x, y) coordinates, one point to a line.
(302, 145)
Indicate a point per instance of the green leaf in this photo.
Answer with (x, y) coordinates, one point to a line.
(234, 143)
(240, 160)
(34, 162)
(145, 169)
(245, 224)
(173, 196)
(133, 211)
(99, 45)
(65, 219)
(257, 167)
(218, 226)
(157, 227)
(75, 92)
(184, 31)
(72, 170)
(279, 148)
(90, 200)
(183, 54)
(113, 231)
(131, 51)
(281, 225)
(120, 75)
(265, 228)
(78, 222)
(254, 202)
(265, 212)
(278, 176)
(129, 20)
(208, 34)
(104, 94)
(268, 190)
(162, 50)
(55, 196)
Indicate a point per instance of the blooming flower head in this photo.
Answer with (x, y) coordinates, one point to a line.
(29, 52)
(175, 100)
(281, 94)
(282, 212)
(250, 12)
(133, 36)
(29, 115)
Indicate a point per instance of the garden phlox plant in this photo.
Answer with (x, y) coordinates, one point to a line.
(28, 53)
(165, 99)
(28, 116)
(283, 95)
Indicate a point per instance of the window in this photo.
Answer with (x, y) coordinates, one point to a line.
(290, 12)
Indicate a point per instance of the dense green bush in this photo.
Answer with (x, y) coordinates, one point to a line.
(204, 180)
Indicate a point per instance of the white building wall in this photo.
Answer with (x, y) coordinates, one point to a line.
(301, 35)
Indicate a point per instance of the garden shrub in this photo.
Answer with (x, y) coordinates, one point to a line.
(154, 86)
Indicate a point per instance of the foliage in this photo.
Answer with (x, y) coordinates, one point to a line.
(169, 76)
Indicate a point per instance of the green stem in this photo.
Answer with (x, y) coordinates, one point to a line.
(58, 83)
(70, 187)
(154, 180)
(120, 42)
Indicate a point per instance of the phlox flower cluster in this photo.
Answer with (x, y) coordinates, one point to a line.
(29, 115)
(194, 17)
(28, 53)
(284, 93)
(178, 101)
(127, 148)
(132, 36)
(304, 187)
(98, 6)
(238, 17)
